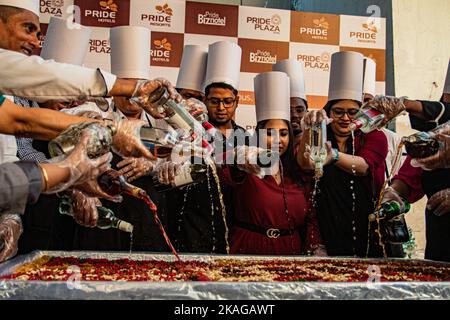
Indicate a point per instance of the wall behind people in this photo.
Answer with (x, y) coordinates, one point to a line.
(266, 35)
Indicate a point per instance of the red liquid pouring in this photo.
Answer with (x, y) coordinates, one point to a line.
(113, 183)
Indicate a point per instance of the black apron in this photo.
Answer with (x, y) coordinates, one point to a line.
(146, 234)
(44, 227)
(335, 212)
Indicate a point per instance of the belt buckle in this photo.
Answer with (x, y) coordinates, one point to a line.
(273, 233)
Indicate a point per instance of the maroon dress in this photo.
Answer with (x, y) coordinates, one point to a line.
(259, 203)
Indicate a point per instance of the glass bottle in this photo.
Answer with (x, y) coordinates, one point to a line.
(317, 141)
(421, 145)
(106, 217)
(367, 119)
(160, 142)
(390, 210)
(99, 141)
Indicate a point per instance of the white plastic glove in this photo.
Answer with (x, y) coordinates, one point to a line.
(143, 91)
(439, 203)
(390, 194)
(126, 141)
(84, 209)
(81, 167)
(247, 160)
(167, 171)
(134, 168)
(314, 117)
(389, 106)
(10, 231)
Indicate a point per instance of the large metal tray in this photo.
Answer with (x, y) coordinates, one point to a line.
(14, 289)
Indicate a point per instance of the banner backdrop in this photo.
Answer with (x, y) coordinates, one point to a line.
(265, 35)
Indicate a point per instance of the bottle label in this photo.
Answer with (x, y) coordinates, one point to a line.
(183, 178)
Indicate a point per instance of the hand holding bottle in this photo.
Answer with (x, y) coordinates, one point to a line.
(439, 203)
(134, 168)
(81, 167)
(441, 159)
(10, 231)
(391, 195)
(246, 158)
(143, 91)
(126, 141)
(85, 209)
(167, 171)
(313, 117)
(196, 108)
(387, 105)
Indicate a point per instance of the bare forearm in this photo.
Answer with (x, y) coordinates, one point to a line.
(123, 88)
(401, 187)
(55, 175)
(414, 108)
(349, 163)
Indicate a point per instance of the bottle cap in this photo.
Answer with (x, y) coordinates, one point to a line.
(125, 226)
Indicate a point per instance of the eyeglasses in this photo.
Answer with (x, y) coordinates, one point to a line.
(227, 102)
(338, 112)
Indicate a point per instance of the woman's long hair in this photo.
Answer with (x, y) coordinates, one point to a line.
(288, 159)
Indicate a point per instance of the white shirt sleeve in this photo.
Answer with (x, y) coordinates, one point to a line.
(42, 80)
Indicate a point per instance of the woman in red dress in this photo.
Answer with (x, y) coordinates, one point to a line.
(273, 215)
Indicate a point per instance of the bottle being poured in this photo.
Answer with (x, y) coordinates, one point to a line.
(367, 119)
(113, 183)
(317, 142)
(179, 118)
(421, 145)
(390, 210)
(106, 217)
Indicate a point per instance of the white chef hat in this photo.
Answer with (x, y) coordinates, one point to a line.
(295, 71)
(370, 76)
(447, 80)
(346, 76)
(30, 5)
(224, 64)
(272, 96)
(193, 68)
(64, 44)
(130, 52)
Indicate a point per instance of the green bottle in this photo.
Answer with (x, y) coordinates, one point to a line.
(390, 210)
(106, 217)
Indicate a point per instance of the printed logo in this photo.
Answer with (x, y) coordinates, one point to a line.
(53, 7)
(211, 19)
(259, 55)
(368, 35)
(109, 5)
(314, 28)
(262, 56)
(266, 24)
(99, 46)
(162, 17)
(107, 13)
(321, 62)
(247, 97)
(166, 49)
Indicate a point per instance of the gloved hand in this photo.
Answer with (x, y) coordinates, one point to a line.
(389, 106)
(10, 231)
(196, 108)
(441, 159)
(439, 203)
(81, 167)
(126, 141)
(390, 194)
(84, 209)
(134, 168)
(167, 170)
(313, 117)
(247, 161)
(144, 90)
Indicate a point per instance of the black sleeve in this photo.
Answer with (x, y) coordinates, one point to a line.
(435, 113)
